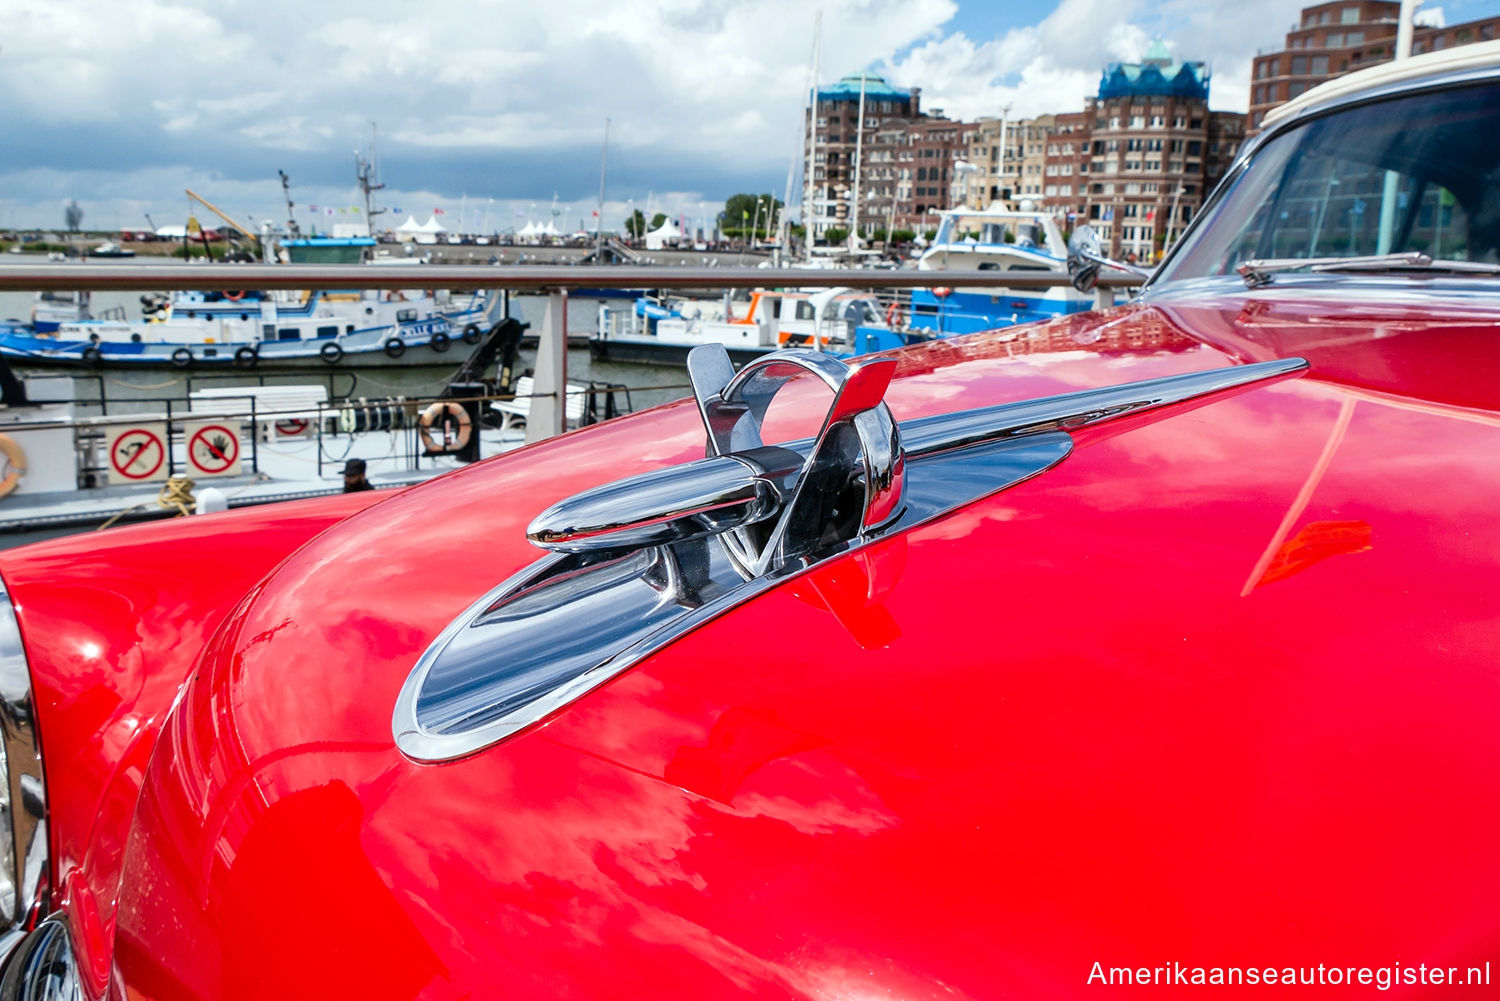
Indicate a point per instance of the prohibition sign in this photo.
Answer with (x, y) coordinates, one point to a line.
(213, 449)
(291, 426)
(137, 454)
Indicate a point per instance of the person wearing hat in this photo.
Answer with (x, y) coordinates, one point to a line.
(354, 476)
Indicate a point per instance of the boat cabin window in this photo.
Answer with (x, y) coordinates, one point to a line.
(804, 310)
(1030, 234)
(856, 311)
(406, 315)
(328, 331)
(976, 230)
(288, 334)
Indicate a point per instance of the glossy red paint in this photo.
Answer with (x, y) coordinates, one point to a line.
(1120, 713)
(113, 622)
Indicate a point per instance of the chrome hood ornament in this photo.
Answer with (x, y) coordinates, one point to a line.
(641, 561)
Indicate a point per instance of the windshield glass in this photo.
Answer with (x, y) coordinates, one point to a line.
(1417, 173)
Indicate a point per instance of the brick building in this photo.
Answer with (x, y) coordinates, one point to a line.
(1136, 162)
(936, 145)
(1152, 153)
(1332, 39)
(1065, 166)
(837, 129)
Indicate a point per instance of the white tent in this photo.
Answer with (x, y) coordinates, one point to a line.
(408, 230)
(429, 230)
(668, 233)
(528, 232)
(172, 232)
(548, 230)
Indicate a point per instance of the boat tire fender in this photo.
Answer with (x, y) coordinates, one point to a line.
(246, 357)
(471, 334)
(439, 342)
(395, 347)
(447, 439)
(331, 353)
(91, 356)
(182, 358)
(15, 461)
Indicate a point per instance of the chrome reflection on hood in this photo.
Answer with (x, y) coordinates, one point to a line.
(635, 564)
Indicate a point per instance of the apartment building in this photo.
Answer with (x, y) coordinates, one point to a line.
(838, 131)
(1155, 150)
(1136, 163)
(1331, 39)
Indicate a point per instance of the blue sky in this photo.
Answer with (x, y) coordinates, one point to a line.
(497, 107)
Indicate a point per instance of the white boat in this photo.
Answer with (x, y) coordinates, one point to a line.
(110, 249)
(993, 239)
(663, 332)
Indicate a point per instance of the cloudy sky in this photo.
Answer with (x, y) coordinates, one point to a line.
(496, 108)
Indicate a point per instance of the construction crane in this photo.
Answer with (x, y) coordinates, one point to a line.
(219, 212)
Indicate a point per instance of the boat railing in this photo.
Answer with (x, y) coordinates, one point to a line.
(548, 412)
(332, 424)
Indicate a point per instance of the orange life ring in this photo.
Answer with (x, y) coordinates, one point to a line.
(15, 464)
(893, 316)
(942, 291)
(450, 440)
(234, 296)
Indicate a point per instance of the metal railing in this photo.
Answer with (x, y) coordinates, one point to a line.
(548, 408)
(517, 278)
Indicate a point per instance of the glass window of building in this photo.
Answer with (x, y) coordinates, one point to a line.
(1349, 15)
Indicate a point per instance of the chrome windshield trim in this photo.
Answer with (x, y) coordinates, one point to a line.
(516, 656)
(23, 842)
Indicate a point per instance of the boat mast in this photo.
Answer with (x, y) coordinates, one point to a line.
(783, 223)
(365, 173)
(599, 216)
(291, 217)
(809, 190)
(859, 142)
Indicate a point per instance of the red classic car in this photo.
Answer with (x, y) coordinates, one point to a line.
(1156, 645)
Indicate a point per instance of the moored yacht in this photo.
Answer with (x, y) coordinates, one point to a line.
(997, 239)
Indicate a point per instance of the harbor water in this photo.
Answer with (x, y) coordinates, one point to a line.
(649, 385)
(143, 391)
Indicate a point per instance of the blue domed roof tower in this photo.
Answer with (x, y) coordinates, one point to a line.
(1155, 76)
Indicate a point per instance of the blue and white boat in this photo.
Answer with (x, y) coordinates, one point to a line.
(275, 329)
(994, 239)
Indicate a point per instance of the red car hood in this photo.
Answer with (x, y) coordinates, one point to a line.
(1217, 691)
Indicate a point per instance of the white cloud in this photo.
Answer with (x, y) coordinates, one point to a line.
(508, 98)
